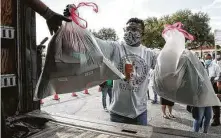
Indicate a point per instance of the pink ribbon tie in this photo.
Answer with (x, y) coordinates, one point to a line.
(75, 17)
(178, 26)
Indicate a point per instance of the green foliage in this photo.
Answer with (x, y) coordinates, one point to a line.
(196, 24)
(106, 34)
(152, 33)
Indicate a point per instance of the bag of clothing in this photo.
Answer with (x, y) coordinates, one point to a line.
(74, 60)
(179, 76)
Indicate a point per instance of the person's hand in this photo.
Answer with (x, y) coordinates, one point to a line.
(66, 12)
(68, 8)
(219, 96)
(54, 20)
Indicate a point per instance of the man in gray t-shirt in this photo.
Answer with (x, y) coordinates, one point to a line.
(129, 97)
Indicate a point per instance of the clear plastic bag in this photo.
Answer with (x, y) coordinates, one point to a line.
(179, 76)
(175, 45)
(74, 60)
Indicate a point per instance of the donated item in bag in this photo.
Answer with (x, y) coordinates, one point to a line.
(74, 62)
(179, 76)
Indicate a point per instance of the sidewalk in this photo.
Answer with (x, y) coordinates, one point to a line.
(90, 106)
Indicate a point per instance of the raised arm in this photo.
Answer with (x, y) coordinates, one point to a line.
(108, 48)
(53, 19)
(37, 6)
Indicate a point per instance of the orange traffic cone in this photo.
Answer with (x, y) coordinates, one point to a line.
(74, 94)
(41, 102)
(86, 91)
(99, 89)
(56, 97)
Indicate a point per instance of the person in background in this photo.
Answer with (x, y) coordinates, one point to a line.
(217, 112)
(166, 103)
(151, 88)
(213, 57)
(214, 71)
(202, 117)
(218, 58)
(155, 101)
(106, 88)
(204, 114)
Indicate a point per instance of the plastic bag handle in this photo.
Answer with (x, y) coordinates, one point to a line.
(74, 16)
(178, 26)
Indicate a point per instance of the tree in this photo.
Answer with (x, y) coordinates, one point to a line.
(106, 34)
(152, 33)
(196, 24)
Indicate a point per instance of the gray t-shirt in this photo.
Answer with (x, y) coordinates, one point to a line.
(129, 98)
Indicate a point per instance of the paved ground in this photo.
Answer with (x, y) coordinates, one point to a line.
(90, 106)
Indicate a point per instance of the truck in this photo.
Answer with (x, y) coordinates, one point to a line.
(20, 67)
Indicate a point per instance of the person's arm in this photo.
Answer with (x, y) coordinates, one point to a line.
(37, 6)
(108, 48)
(53, 19)
(154, 60)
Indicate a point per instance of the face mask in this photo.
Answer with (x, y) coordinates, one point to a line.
(208, 62)
(132, 38)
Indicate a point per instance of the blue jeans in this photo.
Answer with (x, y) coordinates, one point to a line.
(106, 90)
(139, 120)
(204, 113)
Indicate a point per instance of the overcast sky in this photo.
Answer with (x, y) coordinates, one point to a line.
(115, 13)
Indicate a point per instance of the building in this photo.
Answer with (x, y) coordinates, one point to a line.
(201, 51)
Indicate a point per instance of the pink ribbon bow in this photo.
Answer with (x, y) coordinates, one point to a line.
(178, 26)
(74, 16)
